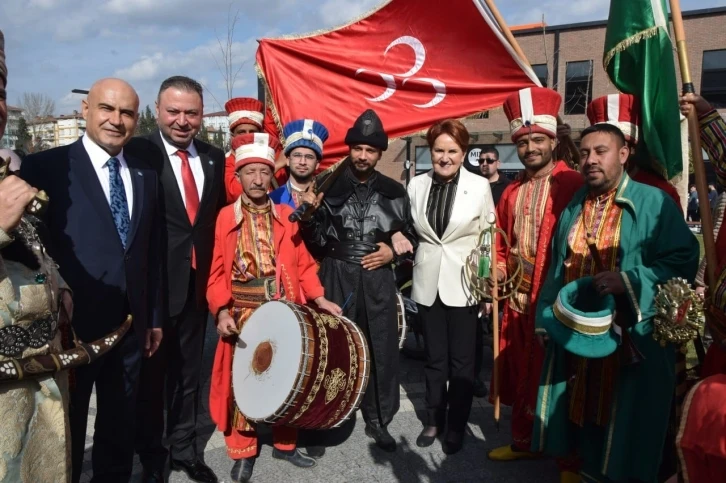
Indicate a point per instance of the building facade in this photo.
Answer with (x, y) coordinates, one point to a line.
(52, 132)
(217, 124)
(568, 58)
(10, 137)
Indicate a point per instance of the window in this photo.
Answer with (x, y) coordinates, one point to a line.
(578, 86)
(423, 159)
(540, 70)
(713, 78)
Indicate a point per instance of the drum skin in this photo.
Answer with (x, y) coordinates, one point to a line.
(332, 369)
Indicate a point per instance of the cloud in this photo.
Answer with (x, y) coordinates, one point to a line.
(147, 72)
(57, 45)
(70, 102)
(200, 58)
(555, 11)
(340, 12)
(193, 14)
(44, 4)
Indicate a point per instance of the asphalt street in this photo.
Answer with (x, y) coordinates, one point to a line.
(353, 457)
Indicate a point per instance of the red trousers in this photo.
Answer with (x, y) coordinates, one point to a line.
(243, 444)
(520, 364)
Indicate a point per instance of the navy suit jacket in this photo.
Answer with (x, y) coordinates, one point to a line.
(107, 280)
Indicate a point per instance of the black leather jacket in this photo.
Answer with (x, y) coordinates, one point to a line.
(355, 216)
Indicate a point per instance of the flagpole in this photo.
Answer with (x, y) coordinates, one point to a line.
(574, 152)
(694, 130)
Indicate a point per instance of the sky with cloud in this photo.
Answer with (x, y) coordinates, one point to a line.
(54, 46)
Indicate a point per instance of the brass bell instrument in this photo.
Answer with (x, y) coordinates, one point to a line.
(480, 267)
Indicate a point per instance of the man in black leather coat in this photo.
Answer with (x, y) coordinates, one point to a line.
(353, 229)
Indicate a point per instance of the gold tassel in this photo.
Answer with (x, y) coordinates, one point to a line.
(629, 42)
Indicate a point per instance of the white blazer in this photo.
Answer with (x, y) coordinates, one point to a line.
(439, 263)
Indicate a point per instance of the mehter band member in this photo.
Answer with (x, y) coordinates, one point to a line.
(258, 255)
(353, 229)
(527, 212)
(607, 385)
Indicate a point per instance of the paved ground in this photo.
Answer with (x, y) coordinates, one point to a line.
(356, 459)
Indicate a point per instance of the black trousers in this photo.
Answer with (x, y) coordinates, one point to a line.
(116, 377)
(450, 339)
(175, 372)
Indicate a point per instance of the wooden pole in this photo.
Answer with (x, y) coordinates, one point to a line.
(520, 53)
(694, 131)
(495, 319)
(699, 170)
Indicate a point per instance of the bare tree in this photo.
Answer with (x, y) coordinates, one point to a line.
(38, 109)
(227, 65)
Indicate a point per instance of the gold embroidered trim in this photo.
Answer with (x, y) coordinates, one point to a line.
(351, 378)
(545, 401)
(576, 326)
(322, 366)
(682, 428)
(631, 293)
(330, 321)
(625, 44)
(235, 451)
(334, 383)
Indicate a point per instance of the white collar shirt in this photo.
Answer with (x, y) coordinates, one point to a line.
(195, 163)
(99, 160)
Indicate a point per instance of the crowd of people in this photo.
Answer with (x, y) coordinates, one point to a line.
(166, 229)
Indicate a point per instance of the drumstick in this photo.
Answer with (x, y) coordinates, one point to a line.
(592, 246)
(347, 300)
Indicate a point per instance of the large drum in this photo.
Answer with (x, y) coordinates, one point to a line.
(298, 367)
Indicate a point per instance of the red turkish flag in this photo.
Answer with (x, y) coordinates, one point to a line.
(413, 62)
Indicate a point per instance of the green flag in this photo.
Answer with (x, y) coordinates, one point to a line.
(639, 61)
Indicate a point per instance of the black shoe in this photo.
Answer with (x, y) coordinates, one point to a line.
(380, 434)
(196, 470)
(154, 476)
(315, 451)
(424, 440)
(295, 457)
(453, 442)
(242, 470)
(480, 389)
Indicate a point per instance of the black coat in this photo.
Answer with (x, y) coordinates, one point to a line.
(177, 233)
(369, 213)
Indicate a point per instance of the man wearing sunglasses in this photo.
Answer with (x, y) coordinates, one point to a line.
(489, 167)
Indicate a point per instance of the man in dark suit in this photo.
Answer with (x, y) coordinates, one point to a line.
(102, 221)
(191, 175)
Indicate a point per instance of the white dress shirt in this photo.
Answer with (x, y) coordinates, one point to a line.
(176, 165)
(99, 160)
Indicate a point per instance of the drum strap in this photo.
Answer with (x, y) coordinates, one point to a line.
(254, 293)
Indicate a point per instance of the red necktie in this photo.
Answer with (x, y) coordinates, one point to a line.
(191, 195)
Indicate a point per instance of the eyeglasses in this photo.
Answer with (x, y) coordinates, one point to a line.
(300, 157)
(488, 160)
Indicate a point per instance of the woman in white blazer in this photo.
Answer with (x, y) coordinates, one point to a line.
(450, 208)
